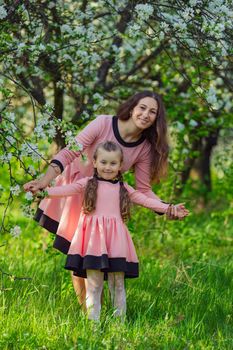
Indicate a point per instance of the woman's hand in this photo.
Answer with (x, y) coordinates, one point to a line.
(39, 184)
(177, 211)
(35, 185)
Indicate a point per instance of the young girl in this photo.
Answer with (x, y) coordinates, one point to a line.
(102, 247)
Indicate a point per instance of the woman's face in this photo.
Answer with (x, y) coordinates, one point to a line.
(145, 113)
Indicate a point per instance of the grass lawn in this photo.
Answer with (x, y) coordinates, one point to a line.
(182, 300)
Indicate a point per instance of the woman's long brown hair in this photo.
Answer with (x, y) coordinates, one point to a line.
(90, 194)
(156, 134)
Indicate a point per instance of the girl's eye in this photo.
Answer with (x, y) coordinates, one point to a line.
(113, 163)
(103, 162)
(142, 107)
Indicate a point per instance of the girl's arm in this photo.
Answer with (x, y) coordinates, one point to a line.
(85, 138)
(152, 203)
(177, 211)
(67, 190)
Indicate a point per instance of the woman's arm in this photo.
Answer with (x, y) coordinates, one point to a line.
(52, 172)
(142, 176)
(85, 138)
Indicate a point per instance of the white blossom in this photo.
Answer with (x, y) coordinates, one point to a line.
(193, 2)
(20, 48)
(65, 28)
(211, 96)
(15, 190)
(68, 133)
(51, 4)
(32, 170)
(20, 69)
(211, 121)
(180, 24)
(165, 27)
(51, 132)
(134, 29)
(5, 158)
(16, 231)
(193, 123)
(11, 116)
(3, 12)
(67, 57)
(95, 107)
(185, 151)
(187, 14)
(180, 126)
(79, 145)
(10, 139)
(97, 96)
(29, 196)
(39, 131)
(41, 47)
(73, 144)
(144, 11)
(30, 150)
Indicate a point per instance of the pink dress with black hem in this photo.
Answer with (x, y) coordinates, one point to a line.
(60, 215)
(101, 240)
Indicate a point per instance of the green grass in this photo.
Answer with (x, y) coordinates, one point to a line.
(182, 300)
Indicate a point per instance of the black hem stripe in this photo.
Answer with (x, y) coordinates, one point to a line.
(61, 244)
(119, 138)
(55, 161)
(45, 221)
(79, 265)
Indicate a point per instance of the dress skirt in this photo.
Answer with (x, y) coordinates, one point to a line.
(60, 215)
(102, 243)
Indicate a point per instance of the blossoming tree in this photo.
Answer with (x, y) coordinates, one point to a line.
(64, 62)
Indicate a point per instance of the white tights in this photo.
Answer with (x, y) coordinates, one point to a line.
(94, 287)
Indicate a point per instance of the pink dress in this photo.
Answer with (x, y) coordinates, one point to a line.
(101, 240)
(60, 215)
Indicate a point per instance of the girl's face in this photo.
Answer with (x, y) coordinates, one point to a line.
(144, 113)
(108, 164)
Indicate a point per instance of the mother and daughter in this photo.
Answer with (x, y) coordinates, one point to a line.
(87, 212)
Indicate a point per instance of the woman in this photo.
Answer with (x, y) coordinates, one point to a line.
(140, 129)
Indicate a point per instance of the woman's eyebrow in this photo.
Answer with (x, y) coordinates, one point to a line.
(142, 104)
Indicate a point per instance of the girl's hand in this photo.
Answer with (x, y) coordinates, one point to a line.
(35, 185)
(177, 211)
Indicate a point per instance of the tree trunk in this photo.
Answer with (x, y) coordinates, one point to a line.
(202, 164)
(58, 112)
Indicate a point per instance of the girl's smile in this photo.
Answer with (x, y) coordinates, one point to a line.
(108, 164)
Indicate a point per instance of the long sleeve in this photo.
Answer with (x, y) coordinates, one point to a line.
(152, 203)
(85, 138)
(68, 190)
(142, 176)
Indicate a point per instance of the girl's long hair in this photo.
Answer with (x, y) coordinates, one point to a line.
(156, 134)
(90, 194)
